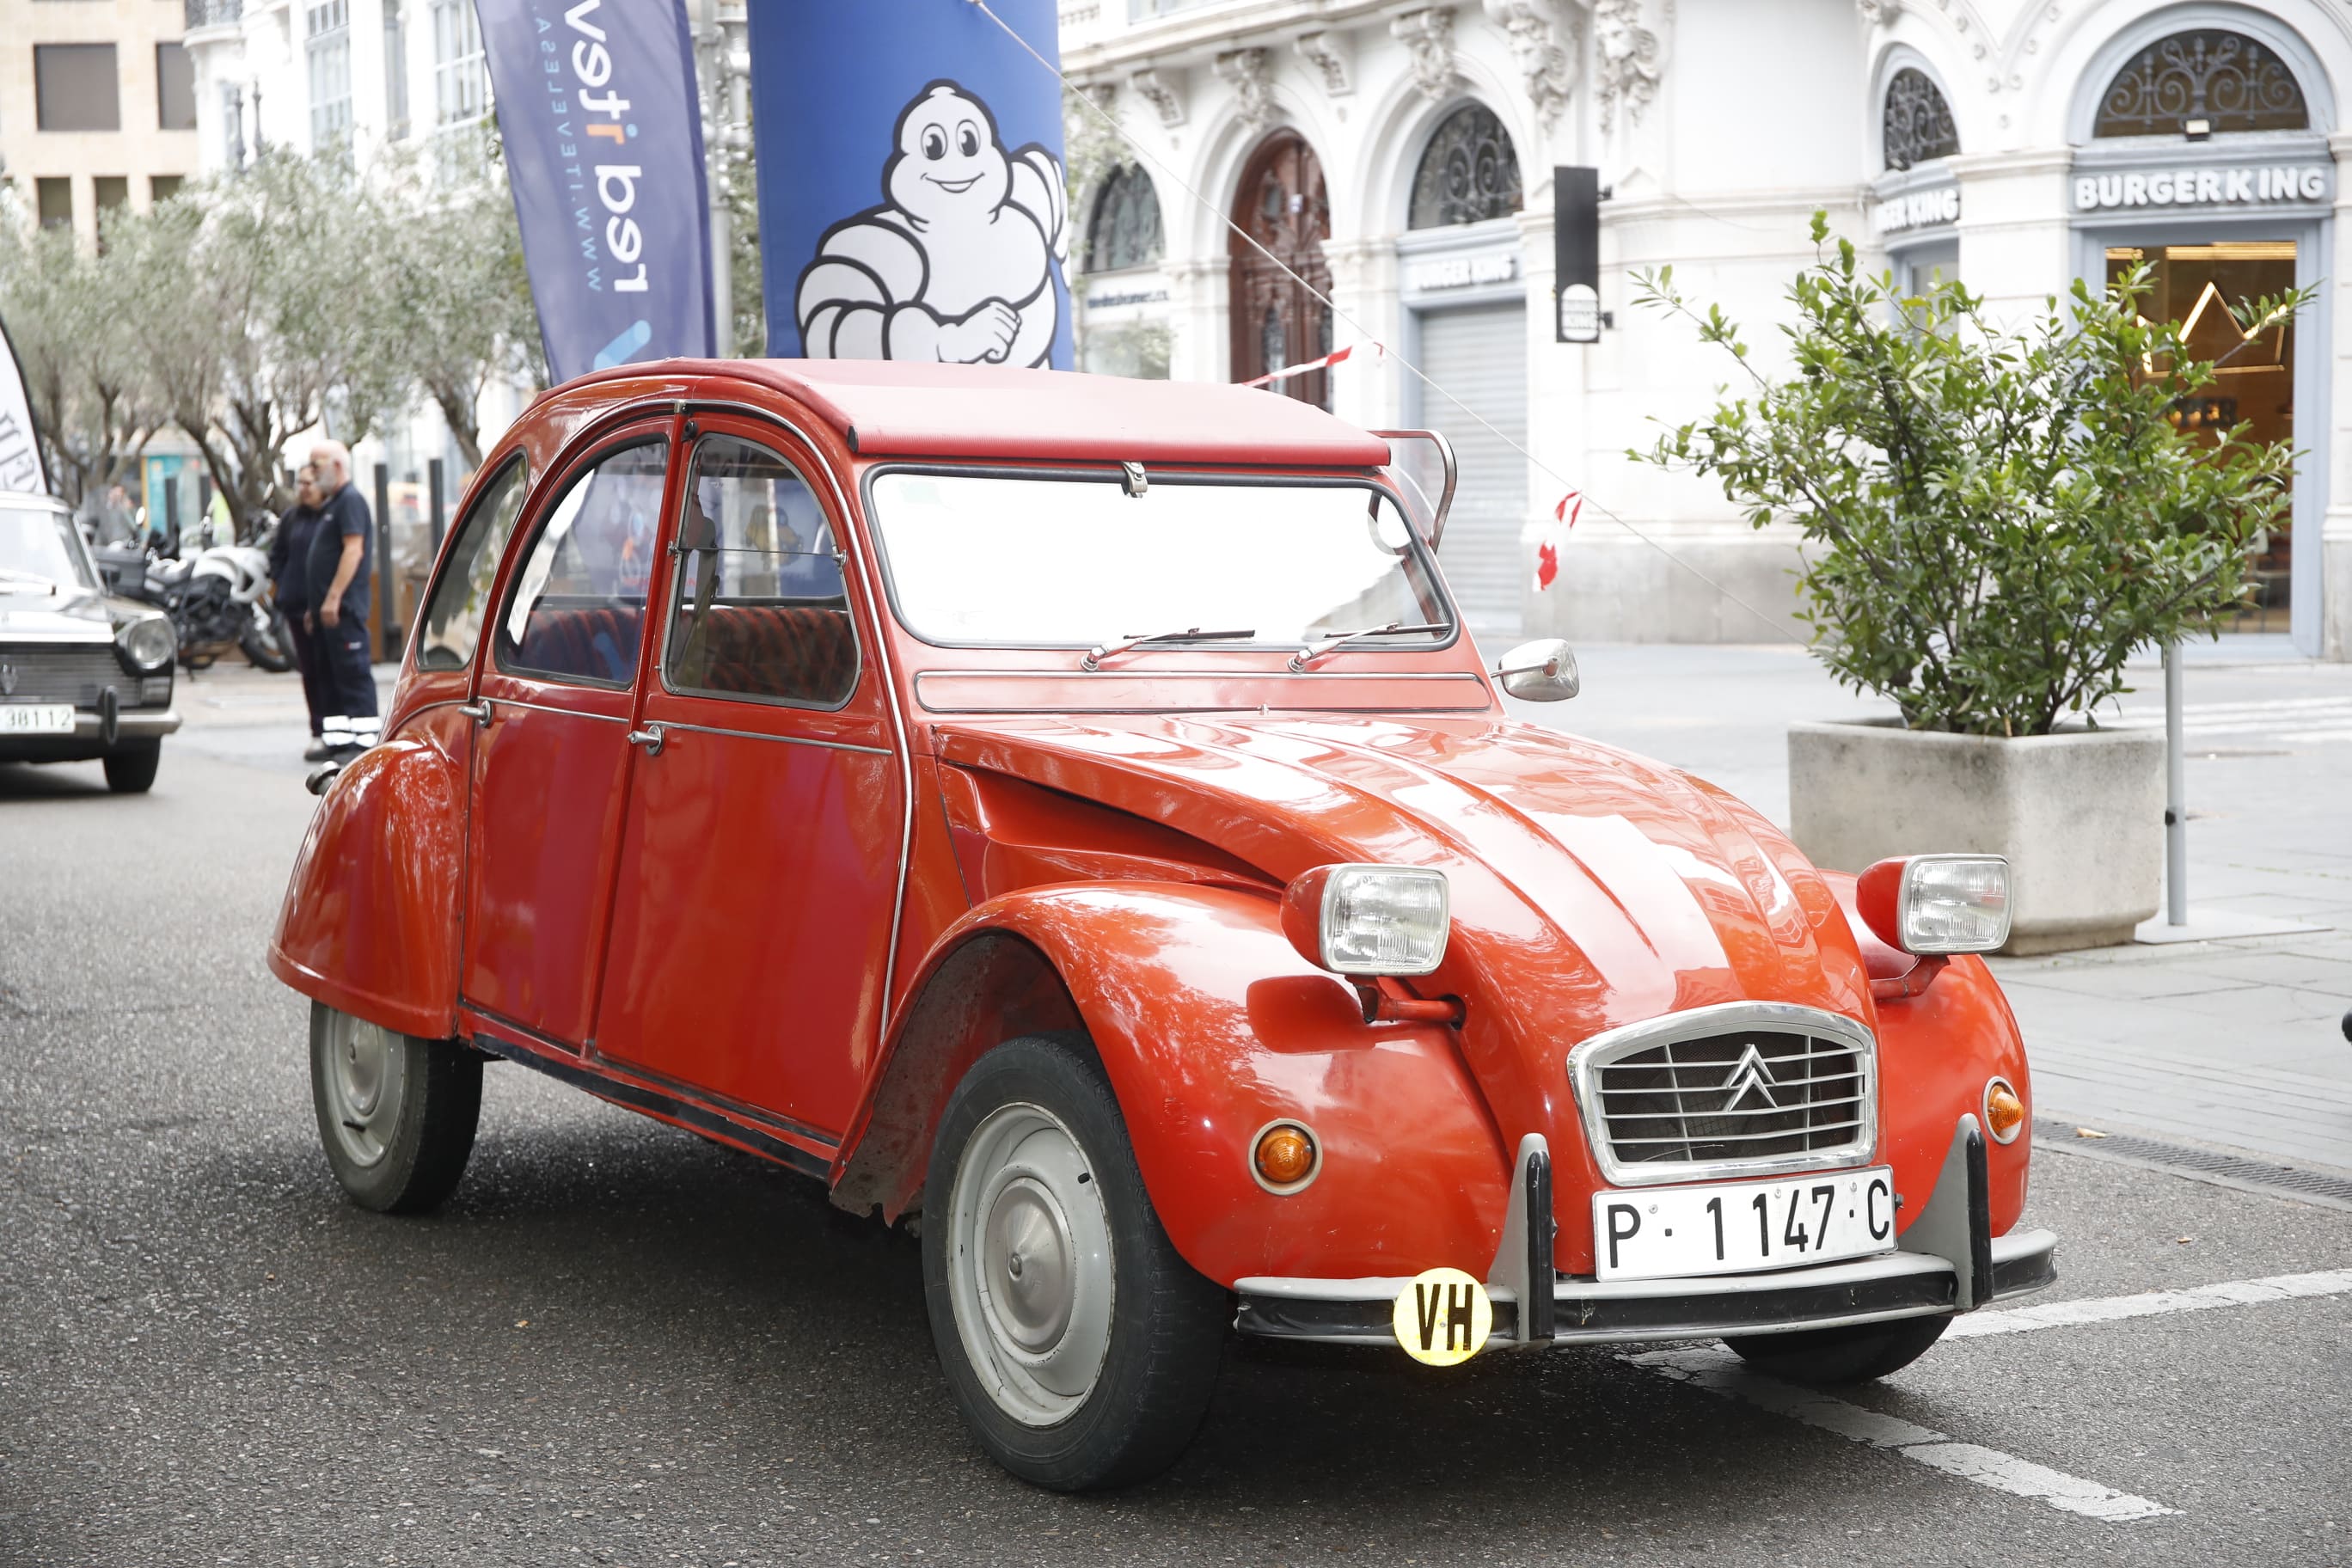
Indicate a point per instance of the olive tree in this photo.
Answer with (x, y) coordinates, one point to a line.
(73, 314)
(1993, 518)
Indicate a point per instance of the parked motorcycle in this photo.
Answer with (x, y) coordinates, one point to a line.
(220, 598)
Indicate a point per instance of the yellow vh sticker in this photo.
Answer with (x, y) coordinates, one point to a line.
(1443, 1318)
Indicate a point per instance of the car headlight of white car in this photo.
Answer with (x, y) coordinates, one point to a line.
(149, 642)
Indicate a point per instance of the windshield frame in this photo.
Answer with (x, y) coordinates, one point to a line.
(92, 581)
(1113, 476)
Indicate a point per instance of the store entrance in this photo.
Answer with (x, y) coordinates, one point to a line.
(2256, 384)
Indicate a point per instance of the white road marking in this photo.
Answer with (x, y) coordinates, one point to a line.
(2110, 1308)
(1721, 1373)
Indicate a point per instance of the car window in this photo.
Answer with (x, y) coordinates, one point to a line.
(578, 608)
(758, 610)
(461, 598)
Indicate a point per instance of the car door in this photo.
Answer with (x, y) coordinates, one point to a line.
(551, 754)
(760, 861)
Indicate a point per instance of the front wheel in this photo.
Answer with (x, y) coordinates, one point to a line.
(267, 643)
(1081, 1348)
(396, 1114)
(1832, 1356)
(130, 766)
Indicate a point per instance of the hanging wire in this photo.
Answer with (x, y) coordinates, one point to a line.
(1779, 625)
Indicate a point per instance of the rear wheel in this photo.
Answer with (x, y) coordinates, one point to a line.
(269, 645)
(130, 766)
(396, 1114)
(1082, 1349)
(1855, 1354)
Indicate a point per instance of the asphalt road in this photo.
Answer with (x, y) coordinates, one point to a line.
(620, 1344)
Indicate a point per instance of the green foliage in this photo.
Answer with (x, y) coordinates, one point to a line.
(1993, 519)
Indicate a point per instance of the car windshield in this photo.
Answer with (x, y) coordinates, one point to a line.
(1077, 560)
(39, 548)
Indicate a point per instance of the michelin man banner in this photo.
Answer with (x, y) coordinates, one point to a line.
(603, 148)
(911, 204)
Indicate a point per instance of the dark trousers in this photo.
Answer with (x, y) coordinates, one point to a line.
(305, 659)
(347, 685)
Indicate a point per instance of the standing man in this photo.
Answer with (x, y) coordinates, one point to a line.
(337, 588)
(289, 577)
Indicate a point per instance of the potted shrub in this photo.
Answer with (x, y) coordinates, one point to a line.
(1993, 521)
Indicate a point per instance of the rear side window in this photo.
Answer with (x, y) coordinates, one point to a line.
(461, 599)
(759, 613)
(578, 609)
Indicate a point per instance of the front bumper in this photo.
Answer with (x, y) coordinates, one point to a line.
(89, 738)
(1947, 1261)
(1620, 1311)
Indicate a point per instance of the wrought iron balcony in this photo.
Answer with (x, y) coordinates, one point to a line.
(213, 13)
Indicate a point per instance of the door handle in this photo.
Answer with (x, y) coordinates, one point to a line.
(479, 712)
(651, 738)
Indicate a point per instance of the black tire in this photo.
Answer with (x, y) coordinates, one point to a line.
(1833, 1356)
(1166, 1324)
(272, 650)
(403, 1149)
(130, 766)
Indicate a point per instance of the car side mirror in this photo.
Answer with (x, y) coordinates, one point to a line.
(1539, 672)
(321, 776)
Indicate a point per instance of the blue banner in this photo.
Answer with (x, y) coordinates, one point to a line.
(911, 203)
(603, 148)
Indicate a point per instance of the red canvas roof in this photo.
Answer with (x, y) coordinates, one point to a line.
(889, 407)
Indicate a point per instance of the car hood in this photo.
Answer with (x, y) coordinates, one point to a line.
(69, 615)
(1590, 888)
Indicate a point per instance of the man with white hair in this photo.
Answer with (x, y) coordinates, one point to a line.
(338, 578)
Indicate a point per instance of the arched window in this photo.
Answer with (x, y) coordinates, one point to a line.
(2227, 79)
(1918, 123)
(1468, 172)
(1126, 227)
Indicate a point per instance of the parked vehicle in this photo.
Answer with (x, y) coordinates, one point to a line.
(1068, 812)
(83, 675)
(219, 598)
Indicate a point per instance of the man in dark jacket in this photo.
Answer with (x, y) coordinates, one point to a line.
(337, 586)
(289, 579)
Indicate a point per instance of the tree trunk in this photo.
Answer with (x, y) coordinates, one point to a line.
(457, 405)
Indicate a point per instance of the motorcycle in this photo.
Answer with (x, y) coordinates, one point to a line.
(220, 598)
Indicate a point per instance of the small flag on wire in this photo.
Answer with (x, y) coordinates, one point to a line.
(1564, 516)
(1336, 356)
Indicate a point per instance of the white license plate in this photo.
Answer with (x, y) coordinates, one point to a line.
(1731, 1228)
(37, 718)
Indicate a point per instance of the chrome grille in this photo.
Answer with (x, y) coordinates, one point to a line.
(1735, 1089)
(63, 672)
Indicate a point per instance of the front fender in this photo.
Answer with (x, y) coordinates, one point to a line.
(370, 924)
(1209, 1025)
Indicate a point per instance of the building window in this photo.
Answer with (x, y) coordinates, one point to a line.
(457, 85)
(162, 187)
(75, 87)
(2225, 80)
(1468, 172)
(395, 73)
(327, 45)
(1918, 123)
(54, 193)
(1126, 227)
(176, 89)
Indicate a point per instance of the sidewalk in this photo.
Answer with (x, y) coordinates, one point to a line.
(2234, 1044)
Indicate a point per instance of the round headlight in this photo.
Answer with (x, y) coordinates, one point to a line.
(149, 642)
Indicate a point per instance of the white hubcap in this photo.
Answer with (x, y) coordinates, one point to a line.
(1029, 1264)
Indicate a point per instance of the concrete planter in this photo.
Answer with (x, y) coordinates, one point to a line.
(2080, 816)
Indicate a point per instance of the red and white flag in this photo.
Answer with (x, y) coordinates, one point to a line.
(1336, 356)
(1563, 517)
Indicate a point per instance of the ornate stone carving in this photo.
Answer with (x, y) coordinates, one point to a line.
(1333, 59)
(1251, 73)
(1164, 91)
(1543, 63)
(1625, 61)
(1429, 35)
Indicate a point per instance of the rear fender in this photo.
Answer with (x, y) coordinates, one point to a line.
(370, 924)
(1209, 1025)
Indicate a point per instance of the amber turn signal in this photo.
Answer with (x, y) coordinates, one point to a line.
(1284, 1158)
(2004, 1113)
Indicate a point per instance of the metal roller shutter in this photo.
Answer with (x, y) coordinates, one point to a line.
(1479, 354)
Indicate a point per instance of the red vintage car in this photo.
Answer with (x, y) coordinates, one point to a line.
(1066, 814)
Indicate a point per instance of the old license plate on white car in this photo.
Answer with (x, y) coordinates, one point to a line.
(1731, 1228)
(37, 718)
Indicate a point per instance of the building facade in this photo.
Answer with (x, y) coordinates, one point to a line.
(1399, 157)
(97, 107)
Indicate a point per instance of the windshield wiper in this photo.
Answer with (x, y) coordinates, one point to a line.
(1311, 654)
(1095, 655)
